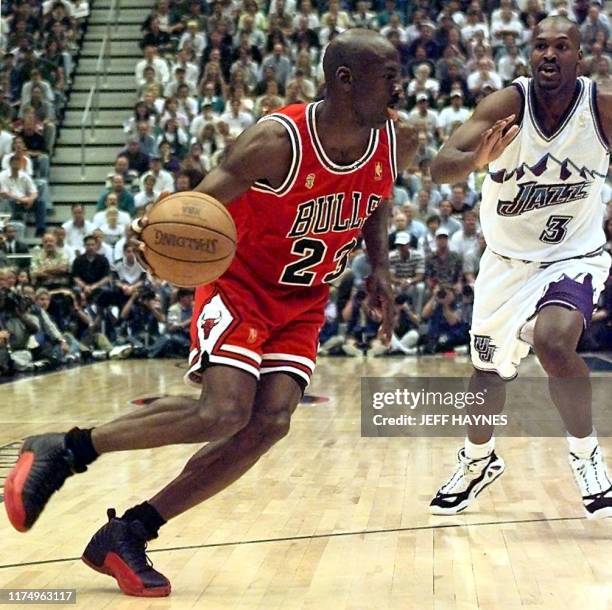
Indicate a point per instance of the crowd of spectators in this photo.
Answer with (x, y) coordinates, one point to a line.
(39, 42)
(211, 69)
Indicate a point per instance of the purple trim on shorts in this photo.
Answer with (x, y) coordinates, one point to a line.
(572, 294)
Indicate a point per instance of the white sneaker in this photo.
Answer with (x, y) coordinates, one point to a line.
(594, 483)
(120, 352)
(467, 481)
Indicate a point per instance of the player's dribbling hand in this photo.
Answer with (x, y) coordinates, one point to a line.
(381, 304)
(494, 141)
(136, 227)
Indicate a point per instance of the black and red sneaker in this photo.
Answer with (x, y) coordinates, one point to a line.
(44, 464)
(119, 550)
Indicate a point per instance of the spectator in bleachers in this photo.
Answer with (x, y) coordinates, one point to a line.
(151, 83)
(196, 161)
(147, 194)
(280, 62)
(483, 76)
(148, 144)
(423, 116)
(157, 38)
(122, 168)
(443, 266)
(169, 160)
(111, 229)
(33, 138)
(465, 239)
(601, 74)
(77, 228)
(50, 267)
(159, 65)
(125, 199)
(138, 161)
(460, 199)
(407, 268)
(18, 191)
(454, 115)
(12, 245)
(596, 21)
(111, 202)
(163, 179)
(427, 243)
(90, 270)
(60, 238)
(237, 120)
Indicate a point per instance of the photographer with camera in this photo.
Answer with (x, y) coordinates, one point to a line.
(18, 328)
(175, 341)
(140, 319)
(447, 326)
(405, 333)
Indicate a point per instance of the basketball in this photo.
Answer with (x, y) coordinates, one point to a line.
(190, 238)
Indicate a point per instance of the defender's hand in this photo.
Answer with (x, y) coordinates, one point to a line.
(493, 141)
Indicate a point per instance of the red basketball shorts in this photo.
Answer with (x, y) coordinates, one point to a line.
(260, 329)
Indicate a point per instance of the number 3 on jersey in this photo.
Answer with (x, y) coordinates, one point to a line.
(556, 229)
(312, 252)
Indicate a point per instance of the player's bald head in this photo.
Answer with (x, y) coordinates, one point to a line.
(355, 48)
(558, 24)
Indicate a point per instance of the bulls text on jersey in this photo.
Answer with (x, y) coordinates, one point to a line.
(324, 214)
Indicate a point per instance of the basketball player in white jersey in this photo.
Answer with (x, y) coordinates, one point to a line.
(546, 142)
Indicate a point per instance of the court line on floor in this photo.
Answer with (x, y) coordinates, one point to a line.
(214, 545)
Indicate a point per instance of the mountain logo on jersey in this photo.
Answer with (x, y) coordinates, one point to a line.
(546, 185)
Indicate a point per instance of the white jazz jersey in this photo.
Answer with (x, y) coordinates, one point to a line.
(541, 200)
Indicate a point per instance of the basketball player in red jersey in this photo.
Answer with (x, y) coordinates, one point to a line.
(301, 185)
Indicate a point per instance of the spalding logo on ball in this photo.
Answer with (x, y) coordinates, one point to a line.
(190, 238)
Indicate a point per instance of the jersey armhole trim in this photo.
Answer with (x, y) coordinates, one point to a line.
(296, 158)
(599, 130)
(392, 140)
(521, 89)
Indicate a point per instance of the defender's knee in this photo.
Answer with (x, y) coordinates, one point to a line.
(554, 350)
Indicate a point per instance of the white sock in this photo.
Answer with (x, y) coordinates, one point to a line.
(474, 451)
(582, 447)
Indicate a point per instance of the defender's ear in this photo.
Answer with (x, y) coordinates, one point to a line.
(343, 73)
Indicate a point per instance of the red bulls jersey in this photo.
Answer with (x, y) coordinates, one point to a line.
(300, 234)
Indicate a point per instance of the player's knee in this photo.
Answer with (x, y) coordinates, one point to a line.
(553, 349)
(229, 413)
(274, 424)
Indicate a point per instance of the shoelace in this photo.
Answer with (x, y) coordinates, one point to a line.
(581, 470)
(134, 547)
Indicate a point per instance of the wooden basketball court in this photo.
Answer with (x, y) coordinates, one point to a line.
(326, 520)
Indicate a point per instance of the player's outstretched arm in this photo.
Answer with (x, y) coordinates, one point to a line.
(376, 237)
(481, 139)
(262, 152)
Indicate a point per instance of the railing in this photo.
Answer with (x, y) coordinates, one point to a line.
(92, 107)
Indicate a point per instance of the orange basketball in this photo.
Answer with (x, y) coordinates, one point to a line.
(190, 238)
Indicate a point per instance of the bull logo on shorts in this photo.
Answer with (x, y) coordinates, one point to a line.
(484, 347)
(208, 324)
